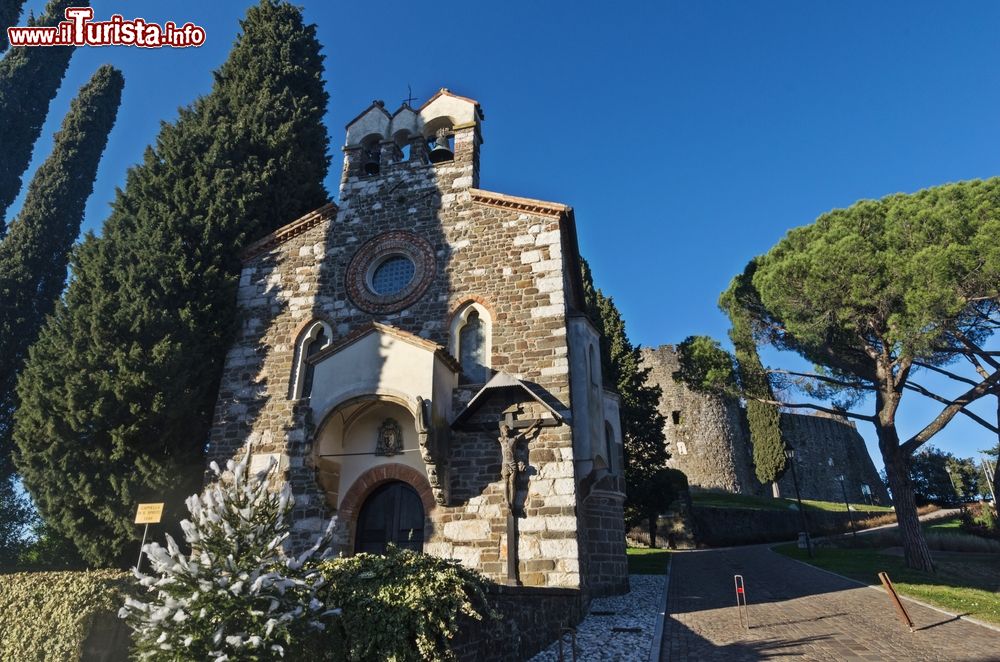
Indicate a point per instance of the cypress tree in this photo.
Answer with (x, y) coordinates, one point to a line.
(29, 79)
(33, 258)
(10, 11)
(118, 392)
(651, 485)
(763, 419)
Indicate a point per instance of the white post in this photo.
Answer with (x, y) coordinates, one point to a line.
(141, 545)
(988, 472)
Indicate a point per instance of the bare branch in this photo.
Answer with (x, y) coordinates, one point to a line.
(822, 378)
(949, 412)
(808, 405)
(917, 388)
(947, 373)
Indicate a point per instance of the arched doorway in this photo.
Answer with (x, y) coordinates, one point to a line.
(392, 513)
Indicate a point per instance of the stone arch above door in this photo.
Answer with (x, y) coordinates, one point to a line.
(372, 479)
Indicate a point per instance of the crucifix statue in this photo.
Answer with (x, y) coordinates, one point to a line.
(512, 431)
(512, 467)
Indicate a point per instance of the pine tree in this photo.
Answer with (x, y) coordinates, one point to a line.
(33, 256)
(29, 80)
(235, 596)
(651, 486)
(118, 392)
(10, 11)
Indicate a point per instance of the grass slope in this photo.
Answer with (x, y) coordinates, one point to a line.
(967, 584)
(643, 561)
(724, 500)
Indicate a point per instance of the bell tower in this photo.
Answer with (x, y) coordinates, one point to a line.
(441, 139)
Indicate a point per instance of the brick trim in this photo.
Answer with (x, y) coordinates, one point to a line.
(471, 298)
(529, 205)
(289, 231)
(367, 482)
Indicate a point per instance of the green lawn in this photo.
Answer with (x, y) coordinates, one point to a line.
(964, 583)
(723, 500)
(642, 561)
(951, 525)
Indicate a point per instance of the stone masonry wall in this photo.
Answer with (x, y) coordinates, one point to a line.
(719, 455)
(825, 448)
(705, 436)
(510, 258)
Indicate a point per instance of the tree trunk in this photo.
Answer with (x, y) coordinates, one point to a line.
(775, 489)
(996, 462)
(915, 551)
(652, 531)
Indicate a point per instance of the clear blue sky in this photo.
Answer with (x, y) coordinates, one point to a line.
(689, 136)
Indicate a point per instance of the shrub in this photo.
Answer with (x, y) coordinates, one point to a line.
(236, 596)
(980, 520)
(402, 606)
(48, 615)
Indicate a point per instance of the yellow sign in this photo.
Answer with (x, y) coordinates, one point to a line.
(149, 513)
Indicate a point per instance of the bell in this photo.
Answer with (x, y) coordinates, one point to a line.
(441, 151)
(370, 164)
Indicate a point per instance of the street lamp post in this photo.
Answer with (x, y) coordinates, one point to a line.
(850, 514)
(790, 454)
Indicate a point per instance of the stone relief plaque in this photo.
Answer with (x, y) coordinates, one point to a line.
(390, 438)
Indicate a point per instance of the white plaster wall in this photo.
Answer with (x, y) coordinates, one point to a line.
(373, 121)
(612, 415)
(586, 400)
(458, 110)
(361, 437)
(377, 364)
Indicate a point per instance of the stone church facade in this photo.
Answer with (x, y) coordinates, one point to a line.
(709, 440)
(417, 361)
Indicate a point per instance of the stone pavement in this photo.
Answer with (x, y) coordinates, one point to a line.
(797, 611)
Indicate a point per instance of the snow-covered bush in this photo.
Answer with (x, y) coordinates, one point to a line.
(236, 596)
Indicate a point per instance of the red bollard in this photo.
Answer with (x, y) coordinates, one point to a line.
(741, 601)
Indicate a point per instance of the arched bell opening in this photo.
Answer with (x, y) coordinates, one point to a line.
(440, 136)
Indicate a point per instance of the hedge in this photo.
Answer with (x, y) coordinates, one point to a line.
(47, 615)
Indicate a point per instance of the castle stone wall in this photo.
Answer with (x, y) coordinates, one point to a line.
(705, 434)
(708, 439)
(826, 448)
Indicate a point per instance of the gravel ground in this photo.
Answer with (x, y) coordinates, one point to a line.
(596, 638)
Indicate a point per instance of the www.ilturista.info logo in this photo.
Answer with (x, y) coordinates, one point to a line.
(80, 30)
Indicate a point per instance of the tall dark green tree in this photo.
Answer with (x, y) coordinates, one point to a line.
(34, 254)
(763, 418)
(651, 486)
(118, 392)
(10, 11)
(29, 80)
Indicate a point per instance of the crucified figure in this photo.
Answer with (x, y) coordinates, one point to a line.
(512, 467)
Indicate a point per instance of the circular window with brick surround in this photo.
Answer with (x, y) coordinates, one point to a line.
(390, 272)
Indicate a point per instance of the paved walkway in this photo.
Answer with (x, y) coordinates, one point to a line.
(797, 611)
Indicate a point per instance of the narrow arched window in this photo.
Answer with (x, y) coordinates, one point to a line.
(609, 445)
(472, 349)
(315, 338)
(471, 342)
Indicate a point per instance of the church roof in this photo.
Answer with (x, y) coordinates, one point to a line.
(405, 336)
(501, 381)
(444, 91)
(529, 205)
(289, 231)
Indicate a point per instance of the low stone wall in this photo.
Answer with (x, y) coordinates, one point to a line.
(722, 527)
(530, 619)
